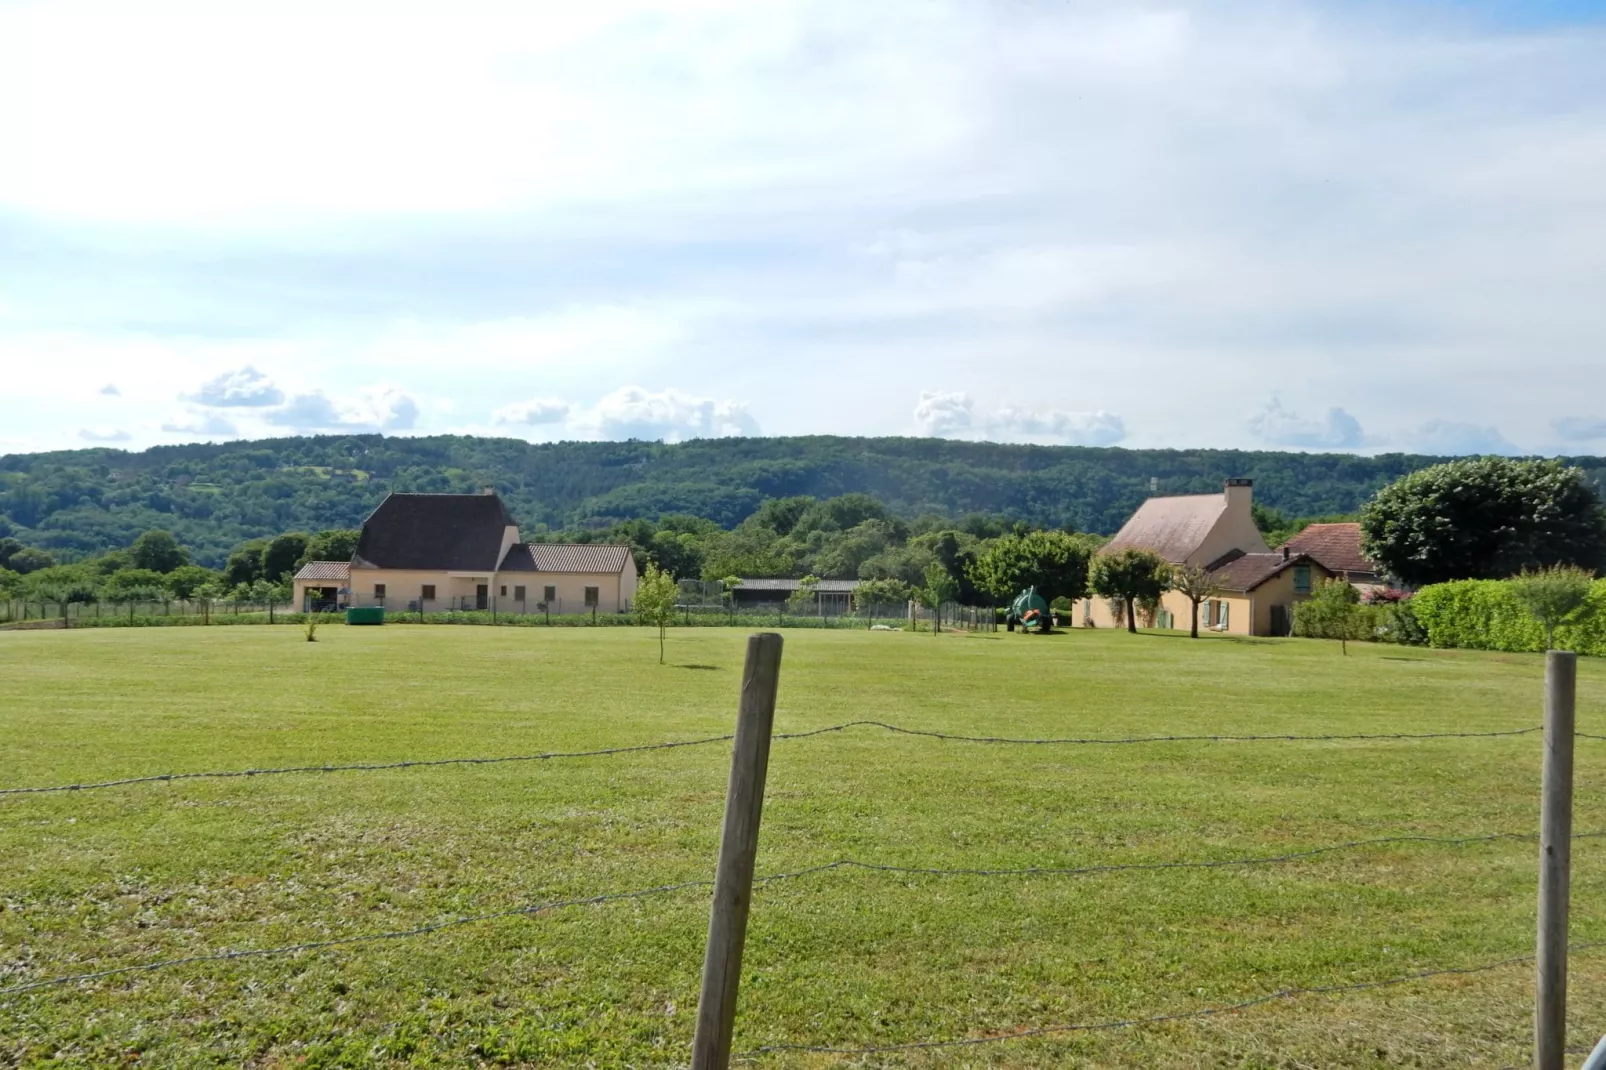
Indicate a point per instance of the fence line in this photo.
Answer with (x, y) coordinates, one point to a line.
(674, 744)
(838, 865)
(1156, 1019)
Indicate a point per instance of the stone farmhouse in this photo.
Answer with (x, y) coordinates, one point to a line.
(1259, 587)
(437, 552)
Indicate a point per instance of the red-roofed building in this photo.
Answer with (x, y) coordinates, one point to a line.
(1258, 587)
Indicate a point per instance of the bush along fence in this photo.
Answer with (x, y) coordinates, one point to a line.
(735, 876)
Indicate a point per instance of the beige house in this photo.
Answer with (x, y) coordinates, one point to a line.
(1217, 532)
(438, 552)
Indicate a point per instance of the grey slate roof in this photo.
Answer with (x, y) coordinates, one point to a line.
(592, 557)
(456, 532)
(325, 570)
(1172, 527)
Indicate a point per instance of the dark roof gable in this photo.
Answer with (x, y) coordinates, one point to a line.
(456, 532)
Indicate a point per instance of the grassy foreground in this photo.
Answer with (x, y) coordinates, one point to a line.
(125, 875)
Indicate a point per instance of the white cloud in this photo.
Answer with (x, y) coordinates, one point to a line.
(242, 388)
(1580, 429)
(952, 414)
(671, 415)
(1277, 425)
(1448, 438)
(373, 409)
(104, 434)
(205, 424)
(941, 413)
(532, 413)
(111, 391)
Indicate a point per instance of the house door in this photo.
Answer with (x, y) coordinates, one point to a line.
(482, 597)
(1279, 620)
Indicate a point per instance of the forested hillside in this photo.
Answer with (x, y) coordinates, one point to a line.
(215, 496)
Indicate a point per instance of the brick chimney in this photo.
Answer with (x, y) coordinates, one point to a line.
(1240, 495)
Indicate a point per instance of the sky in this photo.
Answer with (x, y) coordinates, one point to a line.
(1359, 226)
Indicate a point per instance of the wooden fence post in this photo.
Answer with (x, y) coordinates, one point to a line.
(738, 848)
(1555, 860)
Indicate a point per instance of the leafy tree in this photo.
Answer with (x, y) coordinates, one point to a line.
(655, 601)
(1054, 562)
(158, 551)
(1196, 584)
(29, 560)
(940, 589)
(135, 585)
(336, 544)
(113, 561)
(1554, 597)
(281, 554)
(1130, 577)
(245, 563)
(1334, 611)
(872, 593)
(62, 583)
(186, 580)
(10, 584)
(1485, 518)
(807, 595)
(8, 547)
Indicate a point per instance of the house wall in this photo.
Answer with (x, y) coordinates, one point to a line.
(616, 591)
(405, 586)
(1279, 591)
(301, 587)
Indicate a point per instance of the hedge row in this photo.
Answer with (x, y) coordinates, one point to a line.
(1484, 615)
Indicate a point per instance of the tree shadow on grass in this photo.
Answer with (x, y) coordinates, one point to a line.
(700, 668)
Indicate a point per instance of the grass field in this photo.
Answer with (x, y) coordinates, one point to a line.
(125, 875)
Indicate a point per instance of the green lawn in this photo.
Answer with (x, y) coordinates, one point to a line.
(125, 875)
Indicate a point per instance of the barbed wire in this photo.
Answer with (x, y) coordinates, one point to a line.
(826, 867)
(707, 740)
(1155, 1019)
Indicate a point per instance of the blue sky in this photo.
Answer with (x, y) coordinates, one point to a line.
(1362, 226)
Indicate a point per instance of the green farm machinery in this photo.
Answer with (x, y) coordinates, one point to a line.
(1030, 612)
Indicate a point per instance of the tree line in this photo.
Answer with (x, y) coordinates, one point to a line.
(213, 497)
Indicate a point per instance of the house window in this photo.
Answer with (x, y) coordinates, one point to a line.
(1302, 579)
(379, 592)
(504, 591)
(549, 595)
(593, 595)
(429, 592)
(518, 593)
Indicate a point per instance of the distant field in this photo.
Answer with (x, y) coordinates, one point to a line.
(115, 877)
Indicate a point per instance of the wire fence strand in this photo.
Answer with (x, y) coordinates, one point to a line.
(1154, 1019)
(546, 756)
(531, 909)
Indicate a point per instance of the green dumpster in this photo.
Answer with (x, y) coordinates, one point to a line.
(365, 615)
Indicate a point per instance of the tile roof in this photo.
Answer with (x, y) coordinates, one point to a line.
(592, 557)
(824, 586)
(1172, 527)
(434, 531)
(1336, 546)
(1245, 572)
(325, 570)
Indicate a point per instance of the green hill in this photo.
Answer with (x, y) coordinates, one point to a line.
(215, 496)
